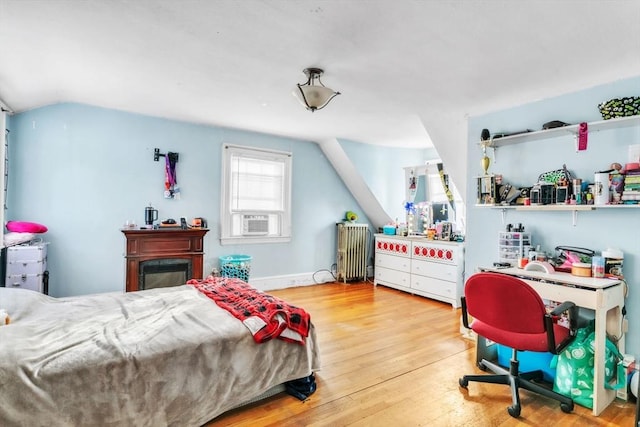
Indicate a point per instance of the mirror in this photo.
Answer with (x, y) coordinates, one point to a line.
(426, 190)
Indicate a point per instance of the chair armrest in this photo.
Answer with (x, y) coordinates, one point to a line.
(567, 305)
(572, 309)
(465, 318)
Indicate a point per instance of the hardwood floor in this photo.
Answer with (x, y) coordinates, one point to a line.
(394, 359)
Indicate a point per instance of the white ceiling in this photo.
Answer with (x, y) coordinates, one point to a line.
(408, 70)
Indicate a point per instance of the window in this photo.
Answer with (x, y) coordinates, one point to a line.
(256, 195)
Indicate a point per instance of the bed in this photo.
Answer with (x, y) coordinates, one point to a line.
(166, 356)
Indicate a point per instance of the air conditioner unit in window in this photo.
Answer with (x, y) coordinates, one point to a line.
(255, 225)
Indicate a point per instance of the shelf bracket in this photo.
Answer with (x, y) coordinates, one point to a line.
(575, 217)
(504, 216)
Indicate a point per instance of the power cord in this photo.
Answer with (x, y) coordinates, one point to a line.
(324, 269)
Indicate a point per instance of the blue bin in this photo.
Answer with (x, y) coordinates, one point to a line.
(237, 266)
(529, 361)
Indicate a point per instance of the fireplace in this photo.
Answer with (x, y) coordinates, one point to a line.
(163, 258)
(163, 273)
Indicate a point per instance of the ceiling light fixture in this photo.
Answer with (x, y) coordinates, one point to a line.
(313, 94)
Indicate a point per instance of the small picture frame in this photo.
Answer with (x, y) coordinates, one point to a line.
(562, 195)
(486, 190)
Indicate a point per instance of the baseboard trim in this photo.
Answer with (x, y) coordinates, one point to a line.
(291, 280)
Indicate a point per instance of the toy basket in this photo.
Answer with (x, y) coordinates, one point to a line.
(620, 107)
(237, 266)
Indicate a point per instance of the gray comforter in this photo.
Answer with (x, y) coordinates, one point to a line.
(152, 358)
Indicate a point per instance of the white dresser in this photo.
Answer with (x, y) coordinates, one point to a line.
(26, 267)
(430, 268)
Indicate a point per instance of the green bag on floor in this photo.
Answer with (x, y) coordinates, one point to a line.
(575, 365)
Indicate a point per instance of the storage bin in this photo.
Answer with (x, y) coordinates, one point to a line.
(529, 361)
(389, 230)
(237, 266)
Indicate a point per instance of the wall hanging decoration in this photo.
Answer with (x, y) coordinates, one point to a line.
(171, 189)
(444, 179)
(412, 185)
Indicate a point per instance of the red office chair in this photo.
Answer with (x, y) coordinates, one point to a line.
(508, 311)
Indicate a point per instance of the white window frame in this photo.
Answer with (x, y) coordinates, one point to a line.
(227, 213)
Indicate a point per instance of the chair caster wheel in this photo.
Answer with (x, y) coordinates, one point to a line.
(514, 411)
(566, 407)
(482, 367)
(463, 382)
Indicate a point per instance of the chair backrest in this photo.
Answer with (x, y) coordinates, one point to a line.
(505, 302)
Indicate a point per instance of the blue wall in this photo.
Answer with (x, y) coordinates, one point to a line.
(83, 171)
(521, 164)
(382, 168)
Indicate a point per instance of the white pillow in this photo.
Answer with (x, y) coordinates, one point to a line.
(13, 238)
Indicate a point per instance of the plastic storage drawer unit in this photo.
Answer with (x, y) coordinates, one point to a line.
(27, 267)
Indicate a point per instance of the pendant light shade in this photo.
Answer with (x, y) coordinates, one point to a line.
(313, 94)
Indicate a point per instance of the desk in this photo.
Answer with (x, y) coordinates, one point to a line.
(604, 296)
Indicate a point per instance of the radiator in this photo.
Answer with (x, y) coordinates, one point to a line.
(352, 251)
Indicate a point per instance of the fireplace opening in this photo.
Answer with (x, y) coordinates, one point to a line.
(164, 273)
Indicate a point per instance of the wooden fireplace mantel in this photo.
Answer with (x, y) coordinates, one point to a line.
(144, 245)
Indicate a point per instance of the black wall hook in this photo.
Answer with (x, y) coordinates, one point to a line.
(173, 157)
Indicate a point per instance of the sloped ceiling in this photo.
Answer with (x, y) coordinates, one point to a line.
(410, 72)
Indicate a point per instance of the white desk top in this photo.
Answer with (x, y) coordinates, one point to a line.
(556, 277)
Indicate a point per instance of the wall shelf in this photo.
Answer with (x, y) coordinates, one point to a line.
(618, 123)
(572, 130)
(556, 208)
(574, 209)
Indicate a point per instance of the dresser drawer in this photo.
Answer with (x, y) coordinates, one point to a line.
(435, 270)
(34, 282)
(437, 287)
(436, 252)
(395, 277)
(393, 247)
(36, 251)
(17, 268)
(393, 262)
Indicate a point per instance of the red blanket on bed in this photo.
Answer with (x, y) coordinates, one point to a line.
(266, 316)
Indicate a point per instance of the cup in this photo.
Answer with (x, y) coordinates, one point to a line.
(431, 233)
(601, 189)
(522, 262)
(597, 266)
(150, 215)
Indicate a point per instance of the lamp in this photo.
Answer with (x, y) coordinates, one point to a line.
(313, 94)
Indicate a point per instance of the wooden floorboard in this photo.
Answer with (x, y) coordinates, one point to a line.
(393, 359)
